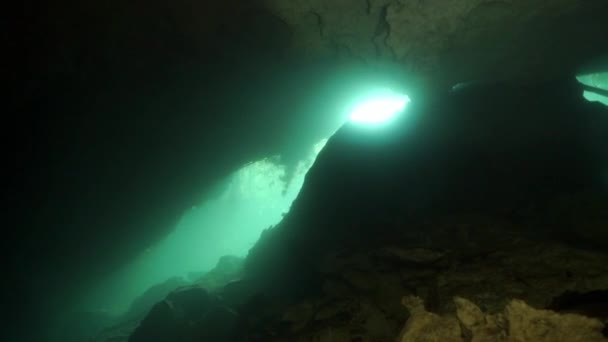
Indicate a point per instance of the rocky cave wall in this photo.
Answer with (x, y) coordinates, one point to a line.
(106, 93)
(448, 155)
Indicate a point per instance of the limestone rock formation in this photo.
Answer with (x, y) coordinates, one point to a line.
(518, 322)
(142, 304)
(452, 40)
(177, 309)
(481, 258)
(426, 326)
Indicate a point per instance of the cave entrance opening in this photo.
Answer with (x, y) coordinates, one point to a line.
(596, 86)
(229, 221)
(250, 200)
(378, 108)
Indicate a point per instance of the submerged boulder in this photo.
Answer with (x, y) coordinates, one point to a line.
(160, 325)
(187, 314)
(153, 295)
(228, 269)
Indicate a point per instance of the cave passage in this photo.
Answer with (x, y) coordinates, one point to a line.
(253, 198)
(597, 81)
(230, 221)
(379, 108)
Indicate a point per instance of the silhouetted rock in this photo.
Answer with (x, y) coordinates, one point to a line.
(228, 269)
(219, 324)
(160, 325)
(153, 295)
(189, 313)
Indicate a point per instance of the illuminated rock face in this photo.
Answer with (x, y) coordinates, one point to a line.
(517, 323)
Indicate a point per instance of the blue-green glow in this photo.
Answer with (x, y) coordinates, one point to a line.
(597, 80)
(379, 109)
(255, 197)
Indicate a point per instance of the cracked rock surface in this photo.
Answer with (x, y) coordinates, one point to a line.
(518, 322)
(451, 41)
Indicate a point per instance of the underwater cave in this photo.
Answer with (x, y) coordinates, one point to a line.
(266, 170)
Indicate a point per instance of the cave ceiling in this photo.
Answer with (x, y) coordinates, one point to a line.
(437, 41)
(449, 41)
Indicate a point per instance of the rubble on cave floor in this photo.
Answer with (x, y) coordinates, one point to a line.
(485, 260)
(518, 322)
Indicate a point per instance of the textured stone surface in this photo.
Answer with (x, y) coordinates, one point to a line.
(426, 326)
(517, 323)
(362, 291)
(453, 40)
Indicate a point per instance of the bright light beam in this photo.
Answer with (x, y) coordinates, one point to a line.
(380, 109)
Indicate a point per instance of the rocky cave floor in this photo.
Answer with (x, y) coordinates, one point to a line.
(468, 277)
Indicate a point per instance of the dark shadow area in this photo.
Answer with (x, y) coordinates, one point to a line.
(591, 304)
